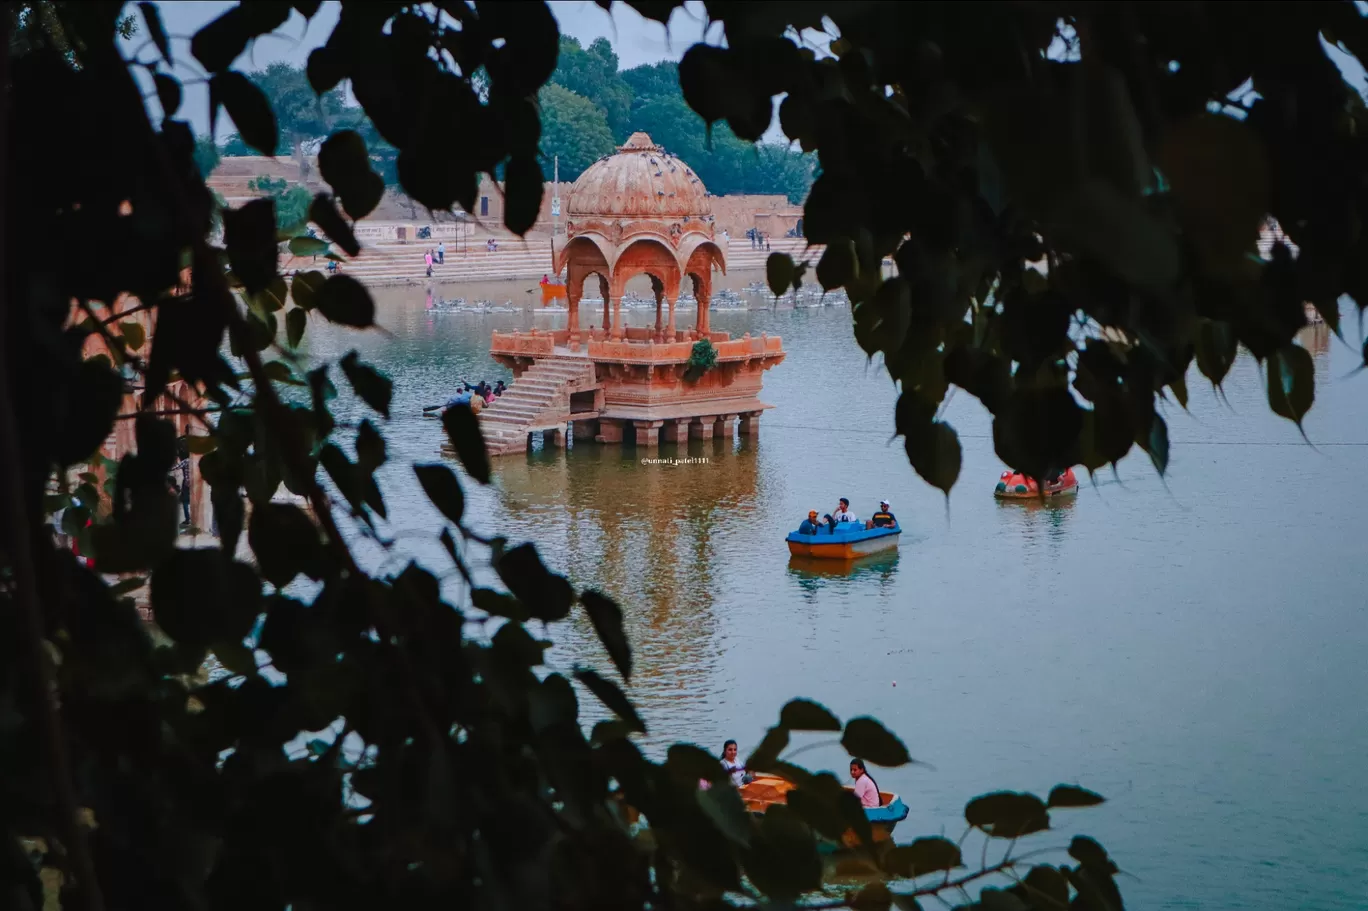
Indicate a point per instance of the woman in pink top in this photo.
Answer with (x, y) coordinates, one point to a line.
(866, 788)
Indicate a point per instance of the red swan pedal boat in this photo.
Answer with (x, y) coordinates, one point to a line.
(1013, 485)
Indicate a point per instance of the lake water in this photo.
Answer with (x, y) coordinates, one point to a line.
(1191, 647)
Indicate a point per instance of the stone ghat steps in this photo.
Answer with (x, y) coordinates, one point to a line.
(538, 400)
(400, 264)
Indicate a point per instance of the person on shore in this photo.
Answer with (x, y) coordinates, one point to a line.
(441, 252)
(183, 477)
(866, 788)
(884, 518)
(735, 770)
(499, 389)
(427, 257)
(843, 513)
(767, 238)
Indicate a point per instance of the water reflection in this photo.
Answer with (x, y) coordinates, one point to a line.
(814, 575)
(651, 535)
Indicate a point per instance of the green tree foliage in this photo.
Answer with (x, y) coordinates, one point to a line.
(207, 155)
(291, 200)
(301, 115)
(947, 137)
(574, 128)
(592, 73)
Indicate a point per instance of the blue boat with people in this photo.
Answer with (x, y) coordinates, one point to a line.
(843, 536)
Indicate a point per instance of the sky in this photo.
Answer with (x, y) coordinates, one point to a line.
(635, 39)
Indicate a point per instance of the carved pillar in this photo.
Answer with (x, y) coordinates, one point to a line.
(658, 287)
(610, 431)
(750, 424)
(726, 426)
(670, 326)
(606, 298)
(554, 439)
(702, 427)
(617, 316)
(702, 292)
(678, 430)
(573, 292)
(648, 432)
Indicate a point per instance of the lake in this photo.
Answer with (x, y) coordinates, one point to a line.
(1192, 647)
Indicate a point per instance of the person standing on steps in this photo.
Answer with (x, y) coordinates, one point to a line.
(182, 477)
(441, 253)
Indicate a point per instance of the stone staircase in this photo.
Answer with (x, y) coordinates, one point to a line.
(537, 400)
(396, 264)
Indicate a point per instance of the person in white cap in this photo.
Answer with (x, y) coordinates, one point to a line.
(884, 518)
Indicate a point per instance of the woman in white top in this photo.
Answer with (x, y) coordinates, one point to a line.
(735, 770)
(866, 788)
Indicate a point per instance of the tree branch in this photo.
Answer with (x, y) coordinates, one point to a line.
(18, 529)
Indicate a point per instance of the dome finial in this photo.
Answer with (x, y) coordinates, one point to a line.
(638, 141)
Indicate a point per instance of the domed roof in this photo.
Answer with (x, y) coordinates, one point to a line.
(640, 181)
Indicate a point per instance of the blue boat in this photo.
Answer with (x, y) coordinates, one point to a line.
(843, 541)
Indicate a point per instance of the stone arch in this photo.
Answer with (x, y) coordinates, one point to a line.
(699, 254)
(646, 255)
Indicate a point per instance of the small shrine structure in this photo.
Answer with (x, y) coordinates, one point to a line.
(638, 212)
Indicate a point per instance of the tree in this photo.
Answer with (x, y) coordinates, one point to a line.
(234, 147)
(302, 116)
(478, 785)
(593, 73)
(291, 200)
(574, 129)
(207, 155)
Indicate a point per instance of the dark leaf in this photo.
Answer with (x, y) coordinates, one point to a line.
(463, 429)
(779, 272)
(1046, 887)
(871, 741)
(1157, 445)
(499, 604)
(304, 288)
(324, 214)
(343, 299)
(168, 91)
(806, 715)
(286, 543)
(1065, 795)
(1007, 814)
(89, 411)
(220, 42)
(443, 489)
(764, 757)
(691, 763)
(838, 266)
(370, 447)
(935, 454)
(295, 321)
(523, 188)
(925, 855)
(606, 616)
(1291, 382)
(724, 808)
(991, 899)
(249, 234)
(1216, 349)
(374, 388)
(308, 246)
(548, 596)
(201, 596)
(346, 166)
(611, 696)
(251, 112)
(155, 31)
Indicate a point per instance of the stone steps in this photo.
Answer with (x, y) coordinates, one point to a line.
(404, 264)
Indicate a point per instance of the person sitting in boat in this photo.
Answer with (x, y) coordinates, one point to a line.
(843, 513)
(735, 770)
(883, 518)
(811, 525)
(866, 788)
